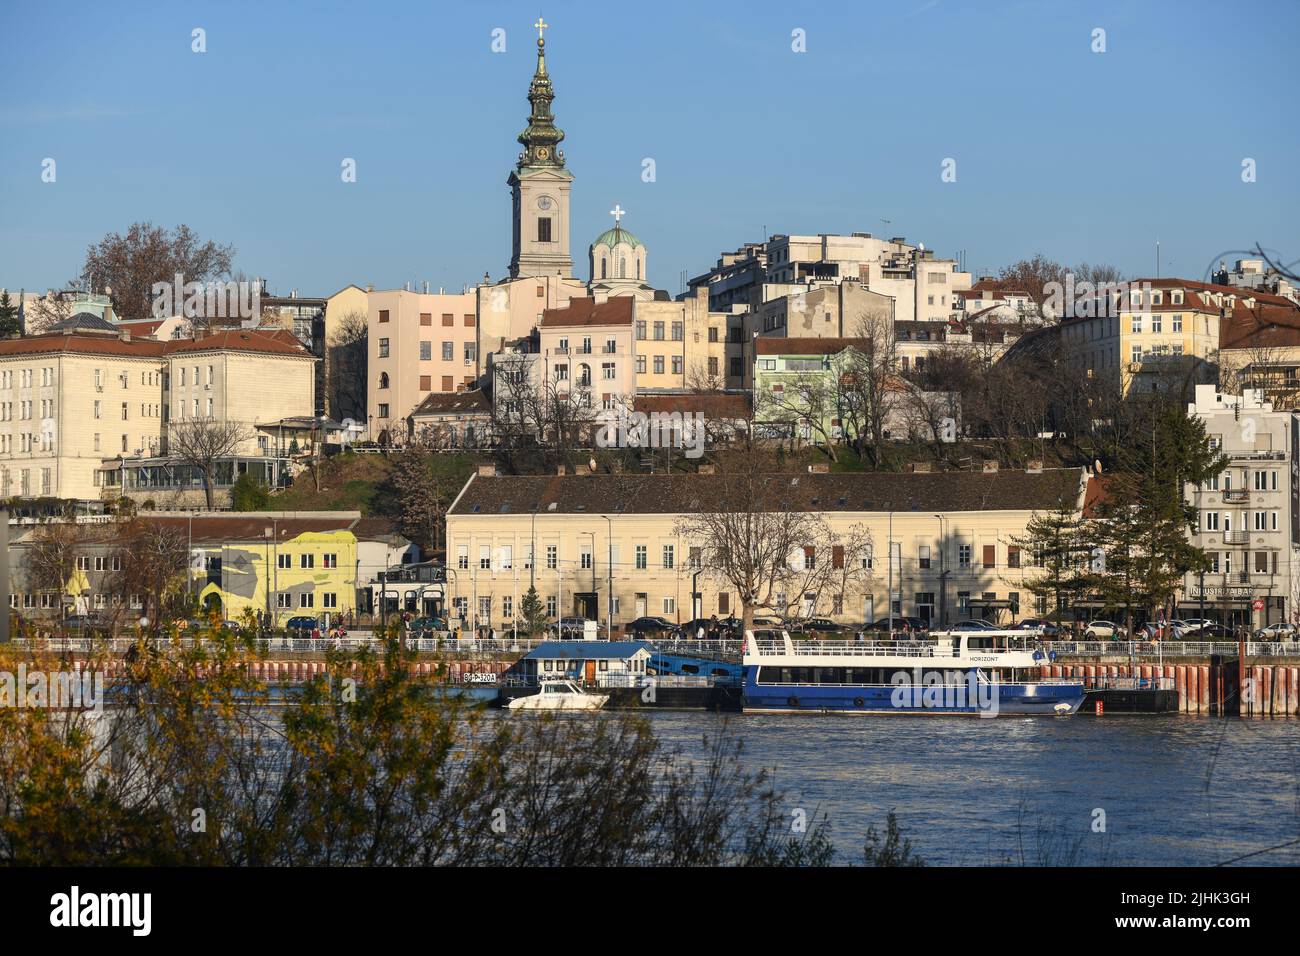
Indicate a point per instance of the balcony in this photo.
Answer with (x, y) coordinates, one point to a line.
(1236, 537)
(1236, 495)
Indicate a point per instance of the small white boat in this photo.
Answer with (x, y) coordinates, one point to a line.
(559, 695)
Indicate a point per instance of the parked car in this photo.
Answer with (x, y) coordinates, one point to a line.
(1048, 629)
(1210, 632)
(902, 625)
(651, 625)
(822, 625)
(422, 624)
(1278, 631)
(974, 625)
(1103, 631)
(570, 627)
(1184, 627)
(302, 623)
(82, 622)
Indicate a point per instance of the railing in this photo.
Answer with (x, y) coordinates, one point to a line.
(1130, 683)
(1236, 537)
(1169, 648)
(1236, 494)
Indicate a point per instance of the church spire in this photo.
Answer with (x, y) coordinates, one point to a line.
(542, 137)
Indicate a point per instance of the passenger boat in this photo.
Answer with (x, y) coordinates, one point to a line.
(559, 695)
(973, 673)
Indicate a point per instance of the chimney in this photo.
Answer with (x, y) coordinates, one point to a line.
(1035, 466)
(561, 470)
(487, 471)
(919, 467)
(819, 469)
(125, 335)
(990, 465)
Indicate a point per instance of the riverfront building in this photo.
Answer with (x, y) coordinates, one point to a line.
(1249, 517)
(608, 547)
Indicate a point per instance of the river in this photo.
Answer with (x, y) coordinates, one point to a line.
(1175, 790)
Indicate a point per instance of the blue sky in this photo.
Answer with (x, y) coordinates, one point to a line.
(1083, 156)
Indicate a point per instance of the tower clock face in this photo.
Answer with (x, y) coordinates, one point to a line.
(544, 203)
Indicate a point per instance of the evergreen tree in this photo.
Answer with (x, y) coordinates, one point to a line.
(8, 316)
(1144, 523)
(249, 494)
(532, 613)
(1053, 541)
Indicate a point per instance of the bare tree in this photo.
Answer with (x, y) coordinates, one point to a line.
(201, 443)
(755, 532)
(346, 367)
(52, 555)
(43, 313)
(130, 264)
(809, 400)
(869, 386)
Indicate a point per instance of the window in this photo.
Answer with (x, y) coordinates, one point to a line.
(462, 557)
(1013, 555)
(1137, 324)
(383, 348)
(670, 605)
(551, 607)
(990, 555)
(383, 409)
(485, 557)
(964, 555)
(923, 556)
(306, 561)
(640, 364)
(1211, 521)
(678, 331)
(659, 364)
(1261, 562)
(329, 560)
(1155, 322)
(426, 351)
(552, 556)
(383, 317)
(659, 331)
(507, 607)
(640, 557)
(677, 365)
(306, 599)
(1176, 323)
(544, 229)
(329, 599)
(668, 557)
(809, 557)
(284, 561)
(284, 601)
(507, 555)
(584, 559)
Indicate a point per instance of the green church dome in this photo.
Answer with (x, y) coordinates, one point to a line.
(611, 238)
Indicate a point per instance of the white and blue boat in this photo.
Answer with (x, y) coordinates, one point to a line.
(969, 673)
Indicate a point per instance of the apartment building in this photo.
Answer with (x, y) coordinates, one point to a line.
(680, 345)
(419, 343)
(940, 546)
(67, 402)
(80, 413)
(1248, 517)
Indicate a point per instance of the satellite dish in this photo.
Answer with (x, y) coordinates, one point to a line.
(1096, 465)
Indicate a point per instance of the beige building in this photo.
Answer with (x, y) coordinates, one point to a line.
(74, 407)
(69, 401)
(946, 541)
(680, 345)
(588, 348)
(237, 375)
(419, 343)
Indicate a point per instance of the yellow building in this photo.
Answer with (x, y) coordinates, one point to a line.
(273, 564)
(581, 538)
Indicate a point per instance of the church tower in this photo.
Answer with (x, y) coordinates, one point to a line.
(540, 184)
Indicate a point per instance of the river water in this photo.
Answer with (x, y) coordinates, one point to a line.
(1175, 790)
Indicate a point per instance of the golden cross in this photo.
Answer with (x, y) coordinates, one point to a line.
(541, 27)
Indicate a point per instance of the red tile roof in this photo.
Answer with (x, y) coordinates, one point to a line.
(613, 311)
(278, 342)
(714, 405)
(774, 345)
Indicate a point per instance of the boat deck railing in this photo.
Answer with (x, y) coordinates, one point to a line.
(917, 649)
